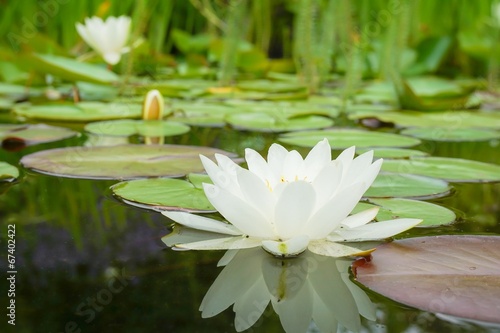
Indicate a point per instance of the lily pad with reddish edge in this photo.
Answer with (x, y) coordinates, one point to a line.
(453, 275)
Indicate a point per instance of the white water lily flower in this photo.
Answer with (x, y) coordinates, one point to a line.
(288, 204)
(108, 38)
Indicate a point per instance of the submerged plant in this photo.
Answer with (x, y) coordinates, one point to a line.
(108, 38)
(288, 204)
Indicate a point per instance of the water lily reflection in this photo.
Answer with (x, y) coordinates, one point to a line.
(305, 291)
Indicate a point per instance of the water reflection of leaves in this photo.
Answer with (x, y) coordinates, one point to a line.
(310, 287)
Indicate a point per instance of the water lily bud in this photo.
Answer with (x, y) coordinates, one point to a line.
(152, 108)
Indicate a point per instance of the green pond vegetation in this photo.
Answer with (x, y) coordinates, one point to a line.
(85, 170)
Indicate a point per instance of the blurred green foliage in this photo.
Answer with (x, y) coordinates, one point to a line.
(230, 39)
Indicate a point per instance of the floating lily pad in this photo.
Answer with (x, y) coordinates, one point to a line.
(8, 172)
(198, 114)
(270, 86)
(454, 275)
(452, 134)
(451, 119)
(84, 111)
(6, 104)
(20, 136)
(341, 138)
(142, 127)
(450, 169)
(186, 88)
(69, 69)
(431, 214)
(265, 122)
(5, 128)
(197, 179)
(392, 152)
(388, 185)
(120, 162)
(285, 109)
(163, 194)
(389, 209)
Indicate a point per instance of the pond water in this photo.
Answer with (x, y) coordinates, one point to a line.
(87, 262)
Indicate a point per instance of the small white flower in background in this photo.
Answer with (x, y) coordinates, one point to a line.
(495, 12)
(288, 204)
(108, 38)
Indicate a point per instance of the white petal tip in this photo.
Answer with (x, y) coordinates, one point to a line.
(290, 248)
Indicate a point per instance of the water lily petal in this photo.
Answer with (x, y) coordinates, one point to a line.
(256, 192)
(258, 165)
(202, 223)
(332, 249)
(327, 182)
(112, 58)
(276, 159)
(377, 230)
(371, 173)
(293, 167)
(228, 243)
(122, 28)
(221, 178)
(294, 208)
(319, 156)
(346, 157)
(329, 217)
(357, 167)
(287, 248)
(239, 212)
(360, 218)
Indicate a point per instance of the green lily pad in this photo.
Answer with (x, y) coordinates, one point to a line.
(452, 119)
(8, 89)
(179, 88)
(389, 209)
(270, 86)
(392, 152)
(69, 69)
(341, 138)
(431, 214)
(6, 104)
(265, 122)
(197, 179)
(452, 134)
(4, 128)
(450, 169)
(388, 185)
(96, 92)
(163, 194)
(29, 135)
(8, 172)
(120, 162)
(201, 114)
(286, 108)
(84, 111)
(129, 127)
